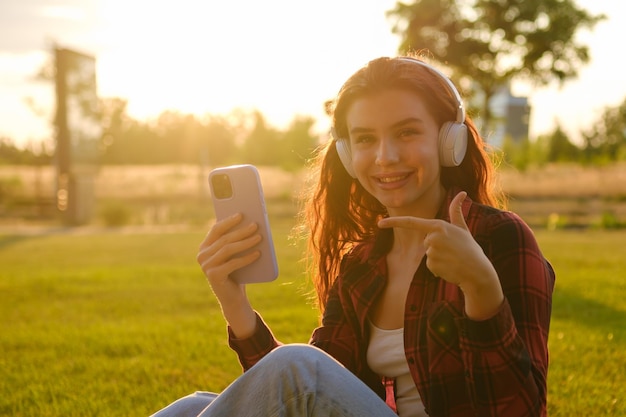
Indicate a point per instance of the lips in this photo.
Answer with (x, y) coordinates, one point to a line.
(392, 178)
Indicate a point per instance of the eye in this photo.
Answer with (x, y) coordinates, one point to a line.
(363, 139)
(408, 132)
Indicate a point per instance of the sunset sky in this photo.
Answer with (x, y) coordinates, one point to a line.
(282, 57)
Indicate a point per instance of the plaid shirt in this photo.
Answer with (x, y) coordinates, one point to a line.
(461, 367)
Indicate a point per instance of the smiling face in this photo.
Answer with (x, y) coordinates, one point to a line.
(394, 142)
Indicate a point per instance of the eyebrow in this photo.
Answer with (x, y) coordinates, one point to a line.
(403, 122)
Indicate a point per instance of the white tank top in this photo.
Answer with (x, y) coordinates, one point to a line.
(385, 356)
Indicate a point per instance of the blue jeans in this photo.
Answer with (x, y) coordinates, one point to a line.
(293, 380)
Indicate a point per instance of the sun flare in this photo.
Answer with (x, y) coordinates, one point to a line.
(206, 58)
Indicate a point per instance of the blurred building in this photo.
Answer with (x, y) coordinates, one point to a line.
(510, 117)
(78, 132)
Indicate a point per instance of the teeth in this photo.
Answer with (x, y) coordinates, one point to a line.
(391, 179)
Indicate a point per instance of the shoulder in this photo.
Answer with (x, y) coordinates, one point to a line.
(500, 231)
(357, 259)
(486, 219)
(363, 262)
(369, 251)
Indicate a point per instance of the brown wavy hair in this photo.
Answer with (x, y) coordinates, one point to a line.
(338, 212)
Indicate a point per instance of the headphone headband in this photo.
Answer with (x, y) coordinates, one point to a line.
(460, 112)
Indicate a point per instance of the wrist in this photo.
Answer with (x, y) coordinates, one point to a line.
(483, 298)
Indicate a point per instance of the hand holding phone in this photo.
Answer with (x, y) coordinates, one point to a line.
(238, 189)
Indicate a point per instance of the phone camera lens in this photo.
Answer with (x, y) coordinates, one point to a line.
(222, 188)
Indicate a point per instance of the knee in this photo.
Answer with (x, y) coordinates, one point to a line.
(298, 367)
(298, 354)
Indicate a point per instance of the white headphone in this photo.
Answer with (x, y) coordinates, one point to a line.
(452, 135)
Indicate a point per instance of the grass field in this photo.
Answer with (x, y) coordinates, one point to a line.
(117, 324)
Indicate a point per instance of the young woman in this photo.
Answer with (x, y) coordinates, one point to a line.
(434, 301)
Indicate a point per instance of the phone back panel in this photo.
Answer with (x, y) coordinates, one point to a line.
(246, 198)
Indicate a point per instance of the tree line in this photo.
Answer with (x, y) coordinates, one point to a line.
(246, 137)
(215, 140)
(174, 137)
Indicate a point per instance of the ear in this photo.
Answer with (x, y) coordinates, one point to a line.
(345, 155)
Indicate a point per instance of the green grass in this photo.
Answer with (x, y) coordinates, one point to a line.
(117, 324)
(588, 333)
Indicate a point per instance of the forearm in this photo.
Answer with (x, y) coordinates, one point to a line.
(237, 311)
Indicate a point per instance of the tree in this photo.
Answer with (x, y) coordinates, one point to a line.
(607, 139)
(113, 118)
(136, 143)
(179, 136)
(219, 142)
(297, 143)
(261, 147)
(560, 148)
(489, 43)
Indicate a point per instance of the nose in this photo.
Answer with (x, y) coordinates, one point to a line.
(387, 152)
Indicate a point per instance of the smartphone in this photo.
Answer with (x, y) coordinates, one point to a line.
(238, 189)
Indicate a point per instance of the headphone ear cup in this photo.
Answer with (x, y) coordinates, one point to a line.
(452, 144)
(345, 155)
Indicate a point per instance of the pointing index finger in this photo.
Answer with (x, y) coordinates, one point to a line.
(408, 222)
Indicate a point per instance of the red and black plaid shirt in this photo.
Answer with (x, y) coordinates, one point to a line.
(461, 367)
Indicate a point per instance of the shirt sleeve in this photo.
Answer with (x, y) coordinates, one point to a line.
(252, 349)
(506, 356)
